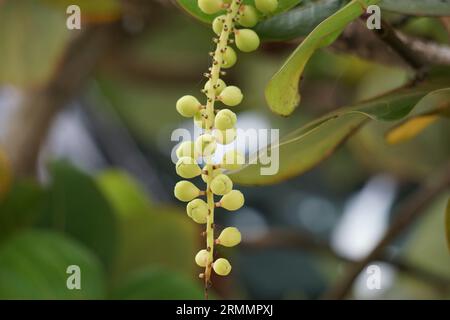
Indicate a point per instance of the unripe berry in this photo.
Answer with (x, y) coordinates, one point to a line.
(187, 167)
(229, 57)
(229, 237)
(221, 184)
(214, 173)
(232, 160)
(186, 149)
(197, 209)
(200, 120)
(217, 24)
(220, 85)
(248, 17)
(246, 40)
(186, 191)
(225, 136)
(210, 6)
(188, 106)
(225, 119)
(233, 200)
(266, 6)
(231, 96)
(205, 145)
(222, 267)
(201, 258)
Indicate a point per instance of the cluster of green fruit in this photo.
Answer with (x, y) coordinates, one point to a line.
(218, 127)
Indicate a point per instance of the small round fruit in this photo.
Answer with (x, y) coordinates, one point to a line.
(221, 184)
(186, 149)
(231, 96)
(186, 191)
(229, 237)
(201, 258)
(246, 40)
(210, 6)
(222, 267)
(225, 136)
(220, 85)
(214, 173)
(266, 6)
(248, 17)
(233, 200)
(205, 145)
(225, 119)
(188, 106)
(229, 57)
(232, 160)
(197, 209)
(217, 24)
(187, 167)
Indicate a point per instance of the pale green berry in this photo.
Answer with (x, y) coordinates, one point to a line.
(186, 191)
(220, 85)
(248, 17)
(231, 96)
(188, 106)
(229, 237)
(187, 167)
(221, 184)
(217, 24)
(197, 209)
(201, 258)
(225, 119)
(229, 57)
(222, 267)
(186, 149)
(205, 145)
(199, 119)
(232, 160)
(266, 6)
(225, 136)
(233, 200)
(246, 40)
(215, 172)
(210, 6)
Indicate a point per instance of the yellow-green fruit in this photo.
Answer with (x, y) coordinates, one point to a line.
(266, 6)
(197, 209)
(222, 267)
(186, 149)
(214, 173)
(220, 85)
(225, 136)
(232, 160)
(229, 57)
(201, 258)
(217, 24)
(205, 145)
(188, 106)
(231, 96)
(225, 119)
(229, 237)
(186, 191)
(200, 120)
(210, 6)
(221, 184)
(246, 40)
(233, 200)
(187, 167)
(248, 17)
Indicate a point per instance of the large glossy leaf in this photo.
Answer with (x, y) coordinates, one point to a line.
(76, 206)
(418, 7)
(306, 147)
(33, 265)
(191, 7)
(282, 92)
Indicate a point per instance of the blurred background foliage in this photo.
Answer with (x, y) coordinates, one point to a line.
(100, 192)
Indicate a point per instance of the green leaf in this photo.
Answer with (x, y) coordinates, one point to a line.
(282, 92)
(32, 39)
(77, 206)
(33, 265)
(306, 147)
(191, 7)
(158, 283)
(418, 7)
(298, 22)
